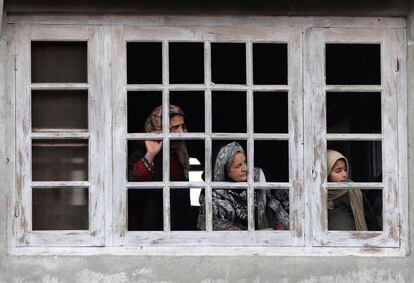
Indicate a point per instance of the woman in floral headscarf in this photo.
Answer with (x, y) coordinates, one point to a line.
(345, 207)
(146, 165)
(230, 205)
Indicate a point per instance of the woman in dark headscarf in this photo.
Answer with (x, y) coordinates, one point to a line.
(230, 205)
(146, 165)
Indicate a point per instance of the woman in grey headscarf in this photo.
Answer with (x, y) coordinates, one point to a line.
(230, 205)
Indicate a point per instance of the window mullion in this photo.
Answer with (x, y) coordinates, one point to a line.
(166, 140)
(250, 141)
(208, 141)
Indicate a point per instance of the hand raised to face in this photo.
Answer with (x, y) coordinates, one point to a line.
(153, 148)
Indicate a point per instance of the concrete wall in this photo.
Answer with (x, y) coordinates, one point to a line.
(206, 269)
(257, 7)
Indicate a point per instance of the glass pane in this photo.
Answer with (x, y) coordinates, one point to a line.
(143, 169)
(364, 159)
(145, 210)
(353, 64)
(60, 209)
(192, 104)
(59, 62)
(60, 160)
(224, 156)
(140, 106)
(353, 112)
(229, 209)
(344, 216)
(59, 109)
(187, 160)
(186, 62)
(229, 111)
(270, 63)
(273, 158)
(183, 214)
(144, 62)
(228, 63)
(271, 209)
(270, 112)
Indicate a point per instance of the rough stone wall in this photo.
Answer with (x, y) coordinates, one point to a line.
(200, 269)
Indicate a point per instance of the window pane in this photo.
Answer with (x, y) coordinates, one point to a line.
(140, 169)
(223, 152)
(353, 112)
(140, 106)
(186, 62)
(273, 158)
(342, 214)
(183, 215)
(60, 160)
(192, 104)
(228, 63)
(183, 169)
(270, 63)
(144, 63)
(271, 209)
(59, 109)
(270, 112)
(60, 209)
(229, 209)
(353, 64)
(229, 111)
(59, 62)
(145, 210)
(364, 158)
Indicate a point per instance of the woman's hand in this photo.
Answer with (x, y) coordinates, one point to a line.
(153, 148)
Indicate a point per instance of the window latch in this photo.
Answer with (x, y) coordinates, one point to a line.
(16, 209)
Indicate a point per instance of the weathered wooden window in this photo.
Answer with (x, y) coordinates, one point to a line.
(355, 111)
(223, 82)
(286, 93)
(60, 134)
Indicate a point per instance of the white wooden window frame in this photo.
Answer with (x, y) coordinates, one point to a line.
(107, 89)
(98, 137)
(207, 35)
(390, 56)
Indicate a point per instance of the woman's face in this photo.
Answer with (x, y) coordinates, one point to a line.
(238, 169)
(339, 172)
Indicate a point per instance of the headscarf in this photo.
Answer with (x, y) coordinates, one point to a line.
(230, 207)
(224, 160)
(154, 124)
(355, 196)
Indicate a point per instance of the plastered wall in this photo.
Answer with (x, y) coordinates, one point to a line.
(200, 269)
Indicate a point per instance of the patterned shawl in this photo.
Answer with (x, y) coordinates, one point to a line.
(154, 124)
(230, 205)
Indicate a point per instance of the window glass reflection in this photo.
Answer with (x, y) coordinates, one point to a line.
(60, 209)
(59, 160)
(59, 62)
